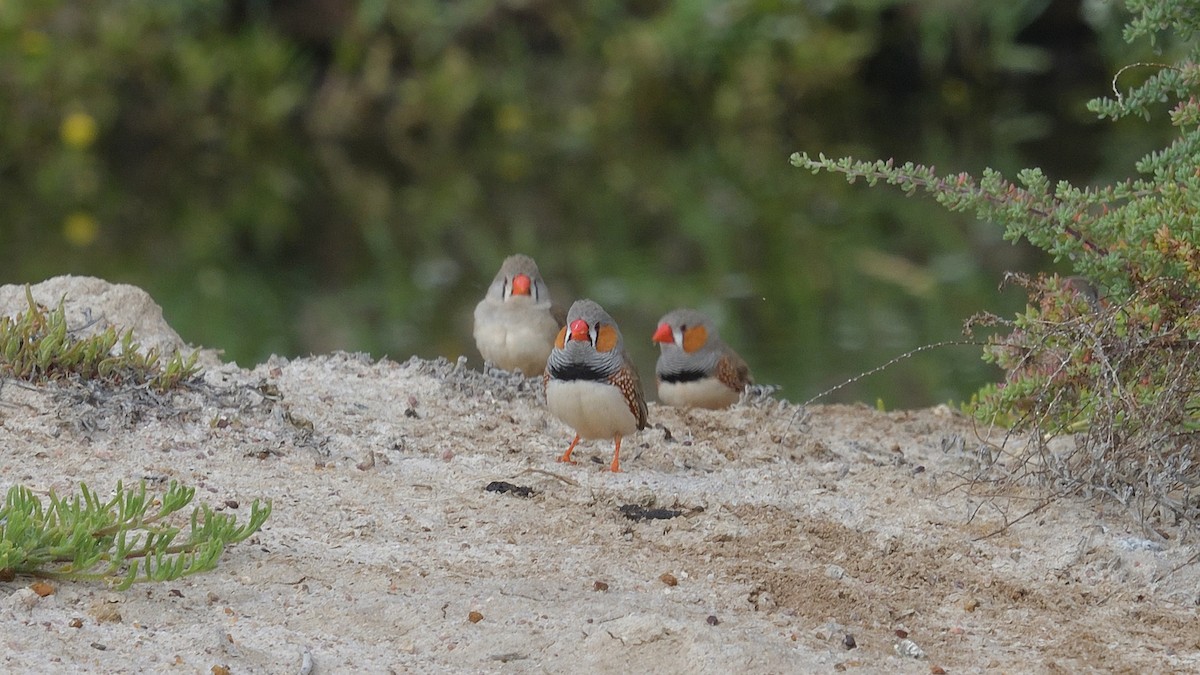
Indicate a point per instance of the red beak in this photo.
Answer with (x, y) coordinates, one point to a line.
(663, 334)
(579, 330)
(520, 284)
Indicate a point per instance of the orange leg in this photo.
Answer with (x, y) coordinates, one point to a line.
(566, 456)
(616, 464)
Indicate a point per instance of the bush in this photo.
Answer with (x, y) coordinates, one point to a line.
(37, 346)
(129, 538)
(1111, 355)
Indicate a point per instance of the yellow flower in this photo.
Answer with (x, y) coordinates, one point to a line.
(80, 229)
(78, 130)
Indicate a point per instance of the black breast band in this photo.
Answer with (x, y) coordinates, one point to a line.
(682, 376)
(577, 371)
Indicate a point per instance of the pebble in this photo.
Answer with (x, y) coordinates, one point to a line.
(22, 599)
(909, 648)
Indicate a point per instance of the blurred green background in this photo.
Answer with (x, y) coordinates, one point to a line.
(298, 177)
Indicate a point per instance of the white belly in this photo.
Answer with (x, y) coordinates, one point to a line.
(708, 392)
(592, 409)
(519, 341)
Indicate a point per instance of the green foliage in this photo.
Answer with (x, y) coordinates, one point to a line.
(129, 538)
(37, 345)
(1110, 354)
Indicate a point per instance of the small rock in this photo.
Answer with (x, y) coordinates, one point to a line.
(849, 642)
(76, 623)
(712, 620)
(503, 487)
(971, 604)
(21, 600)
(41, 588)
(637, 629)
(669, 579)
(104, 611)
(909, 648)
(936, 670)
(763, 601)
(600, 586)
(474, 617)
(637, 512)
(834, 571)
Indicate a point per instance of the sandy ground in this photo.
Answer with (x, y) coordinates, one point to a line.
(795, 533)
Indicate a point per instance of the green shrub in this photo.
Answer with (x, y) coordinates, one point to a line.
(1110, 355)
(37, 346)
(128, 538)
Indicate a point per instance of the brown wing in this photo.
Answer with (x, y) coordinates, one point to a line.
(733, 372)
(631, 386)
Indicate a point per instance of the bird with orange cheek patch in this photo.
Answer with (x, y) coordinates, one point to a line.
(695, 368)
(591, 384)
(515, 322)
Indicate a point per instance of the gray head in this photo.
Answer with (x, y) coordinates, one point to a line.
(590, 342)
(687, 330)
(688, 340)
(519, 279)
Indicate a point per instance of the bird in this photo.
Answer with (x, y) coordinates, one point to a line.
(515, 323)
(591, 383)
(695, 368)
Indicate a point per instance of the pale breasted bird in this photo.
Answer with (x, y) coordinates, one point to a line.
(515, 324)
(695, 368)
(591, 384)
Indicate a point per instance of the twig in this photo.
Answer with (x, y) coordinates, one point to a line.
(1139, 64)
(564, 479)
(910, 353)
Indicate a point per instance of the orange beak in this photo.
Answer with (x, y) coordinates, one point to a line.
(579, 330)
(663, 334)
(520, 284)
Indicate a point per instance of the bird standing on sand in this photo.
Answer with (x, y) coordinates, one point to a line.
(514, 323)
(591, 383)
(695, 368)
